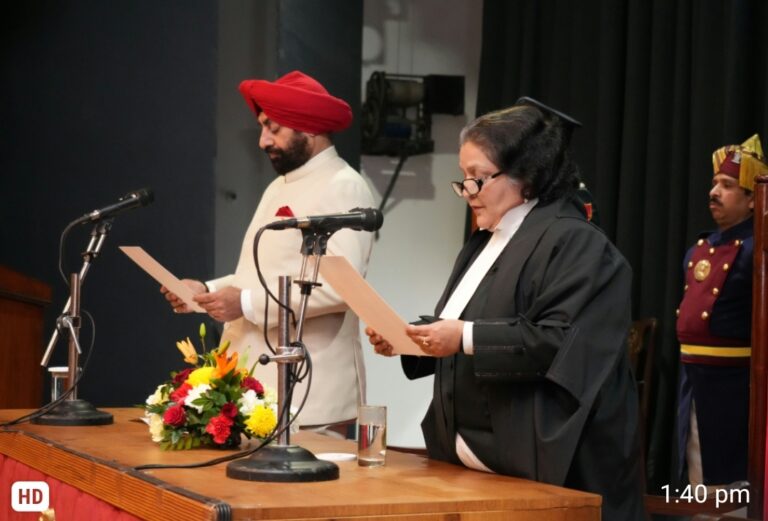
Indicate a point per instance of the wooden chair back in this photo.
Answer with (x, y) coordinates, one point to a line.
(641, 345)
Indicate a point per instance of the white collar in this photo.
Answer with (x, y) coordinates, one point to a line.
(511, 221)
(314, 162)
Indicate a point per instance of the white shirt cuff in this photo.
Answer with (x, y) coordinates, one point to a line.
(211, 285)
(245, 303)
(467, 340)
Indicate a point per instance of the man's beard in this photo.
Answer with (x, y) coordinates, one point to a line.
(292, 157)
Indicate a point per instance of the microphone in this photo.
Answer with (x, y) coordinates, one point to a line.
(360, 219)
(130, 200)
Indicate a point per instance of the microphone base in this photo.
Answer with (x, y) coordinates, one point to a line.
(283, 464)
(74, 412)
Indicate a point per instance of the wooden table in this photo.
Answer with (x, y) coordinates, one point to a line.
(99, 460)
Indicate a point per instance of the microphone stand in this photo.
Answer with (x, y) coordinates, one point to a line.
(73, 411)
(284, 462)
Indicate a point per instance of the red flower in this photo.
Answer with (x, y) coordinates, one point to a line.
(180, 394)
(249, 382)
(229, 410)
(174, 416)
(219, 428)
(181, 376)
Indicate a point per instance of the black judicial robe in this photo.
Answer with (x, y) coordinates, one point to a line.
(548, 394)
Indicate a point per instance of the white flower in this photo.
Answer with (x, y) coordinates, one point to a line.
(156, 427)
(157, 397)
(270, 395)
(195, 393)
(248, 402)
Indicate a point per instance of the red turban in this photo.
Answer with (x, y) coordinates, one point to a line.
(299, 102)
(743, 162)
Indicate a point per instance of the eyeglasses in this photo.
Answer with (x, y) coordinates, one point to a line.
(472, 185)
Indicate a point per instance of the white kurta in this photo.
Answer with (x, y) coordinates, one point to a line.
(325, 184)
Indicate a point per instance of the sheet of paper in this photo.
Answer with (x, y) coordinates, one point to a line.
(367, 304)
(161, 275)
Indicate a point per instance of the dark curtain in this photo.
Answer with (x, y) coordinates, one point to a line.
(658, 86)
(98, 99)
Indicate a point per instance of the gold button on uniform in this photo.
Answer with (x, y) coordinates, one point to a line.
(690, 264)
(704, 315)
(677, 312)
(685, 288)
(701, 271)
(726, 267)
(700, 242)
(715, 291)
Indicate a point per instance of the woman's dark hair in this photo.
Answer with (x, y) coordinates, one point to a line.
(528, 145)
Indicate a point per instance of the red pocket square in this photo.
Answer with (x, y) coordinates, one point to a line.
(284, 211)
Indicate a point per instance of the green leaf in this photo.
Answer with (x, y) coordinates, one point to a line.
(158, 408)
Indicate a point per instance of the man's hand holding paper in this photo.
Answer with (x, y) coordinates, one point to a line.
(177, 303)
(181, 292)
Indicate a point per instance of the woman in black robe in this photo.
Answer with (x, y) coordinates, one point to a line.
(532, 377)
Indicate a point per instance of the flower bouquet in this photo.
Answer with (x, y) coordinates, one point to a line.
(210, 404)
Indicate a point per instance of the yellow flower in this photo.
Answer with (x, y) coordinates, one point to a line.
(188, 350)
(261, 421)
(200, 376)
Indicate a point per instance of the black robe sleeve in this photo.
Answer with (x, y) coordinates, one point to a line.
(572, 306)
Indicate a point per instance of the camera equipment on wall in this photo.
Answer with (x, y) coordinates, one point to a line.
(397, 114)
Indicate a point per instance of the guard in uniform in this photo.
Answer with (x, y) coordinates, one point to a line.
(714, 325)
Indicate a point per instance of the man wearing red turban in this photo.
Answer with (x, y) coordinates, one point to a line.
(297, 117)
(714, 325)
(299, 102)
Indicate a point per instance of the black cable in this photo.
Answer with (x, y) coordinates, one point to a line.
(307, 374)
(62, 240)
(52, 405)
(298, 374)
(266, 323)
(267, 293)
(261, 276)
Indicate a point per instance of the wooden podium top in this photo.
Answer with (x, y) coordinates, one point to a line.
(99, 460)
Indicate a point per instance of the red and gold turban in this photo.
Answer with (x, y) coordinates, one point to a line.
(743, 162)
(299, 102)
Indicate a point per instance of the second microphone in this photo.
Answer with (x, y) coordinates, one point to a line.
(360, 219)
